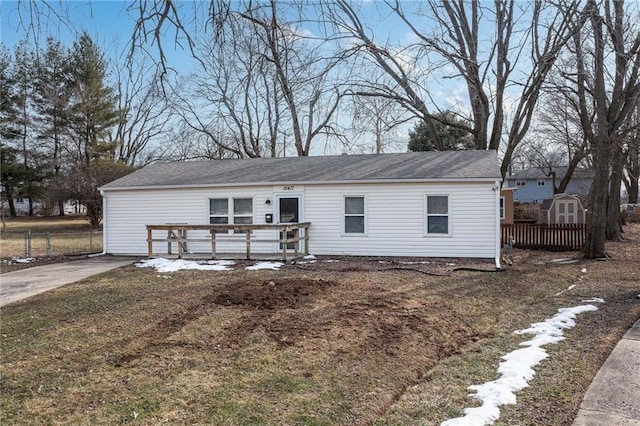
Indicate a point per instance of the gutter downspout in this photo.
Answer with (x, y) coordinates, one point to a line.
(496, 210)
(104, 223)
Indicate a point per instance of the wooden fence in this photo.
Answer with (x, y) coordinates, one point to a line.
(552, 237)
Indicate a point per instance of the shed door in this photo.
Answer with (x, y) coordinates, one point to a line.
(567, 211)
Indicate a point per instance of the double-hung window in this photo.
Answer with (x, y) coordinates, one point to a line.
(242, 212)
(437, 218)
(223, 211)
(502, 214)
(354, 216)
(219, 212)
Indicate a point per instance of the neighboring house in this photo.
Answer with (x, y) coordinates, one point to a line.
(432, 204)
(562, 208)
(21, 205)
(506, 205)
(536, 184)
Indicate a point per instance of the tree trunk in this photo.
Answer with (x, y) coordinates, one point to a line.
(594, 247)
(12, 207)
(60, 208)
(614, 229)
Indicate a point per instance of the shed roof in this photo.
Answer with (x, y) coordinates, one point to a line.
(410, 166)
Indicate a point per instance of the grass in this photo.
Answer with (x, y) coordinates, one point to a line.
(318, 346)
(68, 235)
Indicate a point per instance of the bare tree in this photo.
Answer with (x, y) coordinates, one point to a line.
(607, 58)
(632, 155)
(377, 118)
(491, 68)
(265, 83)
(144, 114)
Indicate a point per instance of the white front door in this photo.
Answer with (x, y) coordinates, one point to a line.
(289, 210)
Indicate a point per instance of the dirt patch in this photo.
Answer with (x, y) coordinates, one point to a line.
(271, 294)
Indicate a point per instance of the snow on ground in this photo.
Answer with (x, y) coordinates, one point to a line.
(307, 259)
(516, 369)
(566, 289)
(266, 265)
(173, 265)
(23, 259)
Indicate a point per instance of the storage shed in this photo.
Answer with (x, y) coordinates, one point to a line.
(562, 208)
(428, 204)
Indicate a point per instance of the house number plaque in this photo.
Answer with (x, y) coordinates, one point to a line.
(288, 188)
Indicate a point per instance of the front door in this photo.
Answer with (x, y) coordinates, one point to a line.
(289, 212)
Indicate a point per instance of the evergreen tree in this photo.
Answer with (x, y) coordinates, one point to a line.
(92, 115)
(93, 110)
(452, 138)
(8, 100)
(51, 102)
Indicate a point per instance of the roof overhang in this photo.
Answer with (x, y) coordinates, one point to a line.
(491, 180)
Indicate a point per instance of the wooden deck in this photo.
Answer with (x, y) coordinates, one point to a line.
(177, 234)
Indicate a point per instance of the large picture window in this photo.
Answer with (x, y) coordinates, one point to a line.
(223, 211)
(437, 215)
(354, 215)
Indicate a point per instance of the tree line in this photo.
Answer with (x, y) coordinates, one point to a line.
(542, 82)
(57, 118)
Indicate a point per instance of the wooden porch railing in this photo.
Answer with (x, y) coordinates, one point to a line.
(177, 233)
(552, 237)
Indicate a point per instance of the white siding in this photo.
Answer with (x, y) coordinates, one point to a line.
(395, 218)
(127, 213)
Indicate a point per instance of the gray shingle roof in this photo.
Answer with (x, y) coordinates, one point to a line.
(410, 166)
(543, 173)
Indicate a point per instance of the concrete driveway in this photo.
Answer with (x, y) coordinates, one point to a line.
(27, 282)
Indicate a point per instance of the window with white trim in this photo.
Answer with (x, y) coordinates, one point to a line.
(354, 215)
(242, 212)
(437, 216)
(223, 211)
(541, 182)
(502, 214)
(521, 183)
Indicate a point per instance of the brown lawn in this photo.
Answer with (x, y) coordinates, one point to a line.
(357, 341)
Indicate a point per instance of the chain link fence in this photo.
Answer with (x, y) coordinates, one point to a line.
(58, 244)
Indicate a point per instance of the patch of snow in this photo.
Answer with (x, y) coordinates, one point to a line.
(564, 261)
(275, 266)
(451, 264)
(566, 289)
(516, 369)
(23, 259)
(594, 300)
(168, 265)
(331, 260)
(306, 259)
(584, 270)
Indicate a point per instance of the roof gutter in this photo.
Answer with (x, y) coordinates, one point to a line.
(277, 183)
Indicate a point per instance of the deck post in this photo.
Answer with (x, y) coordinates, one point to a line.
(179, 244)
(248, 234)
(306, 241)
(169, 235)
(149, 243)
(213, 244)
(285, 237)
